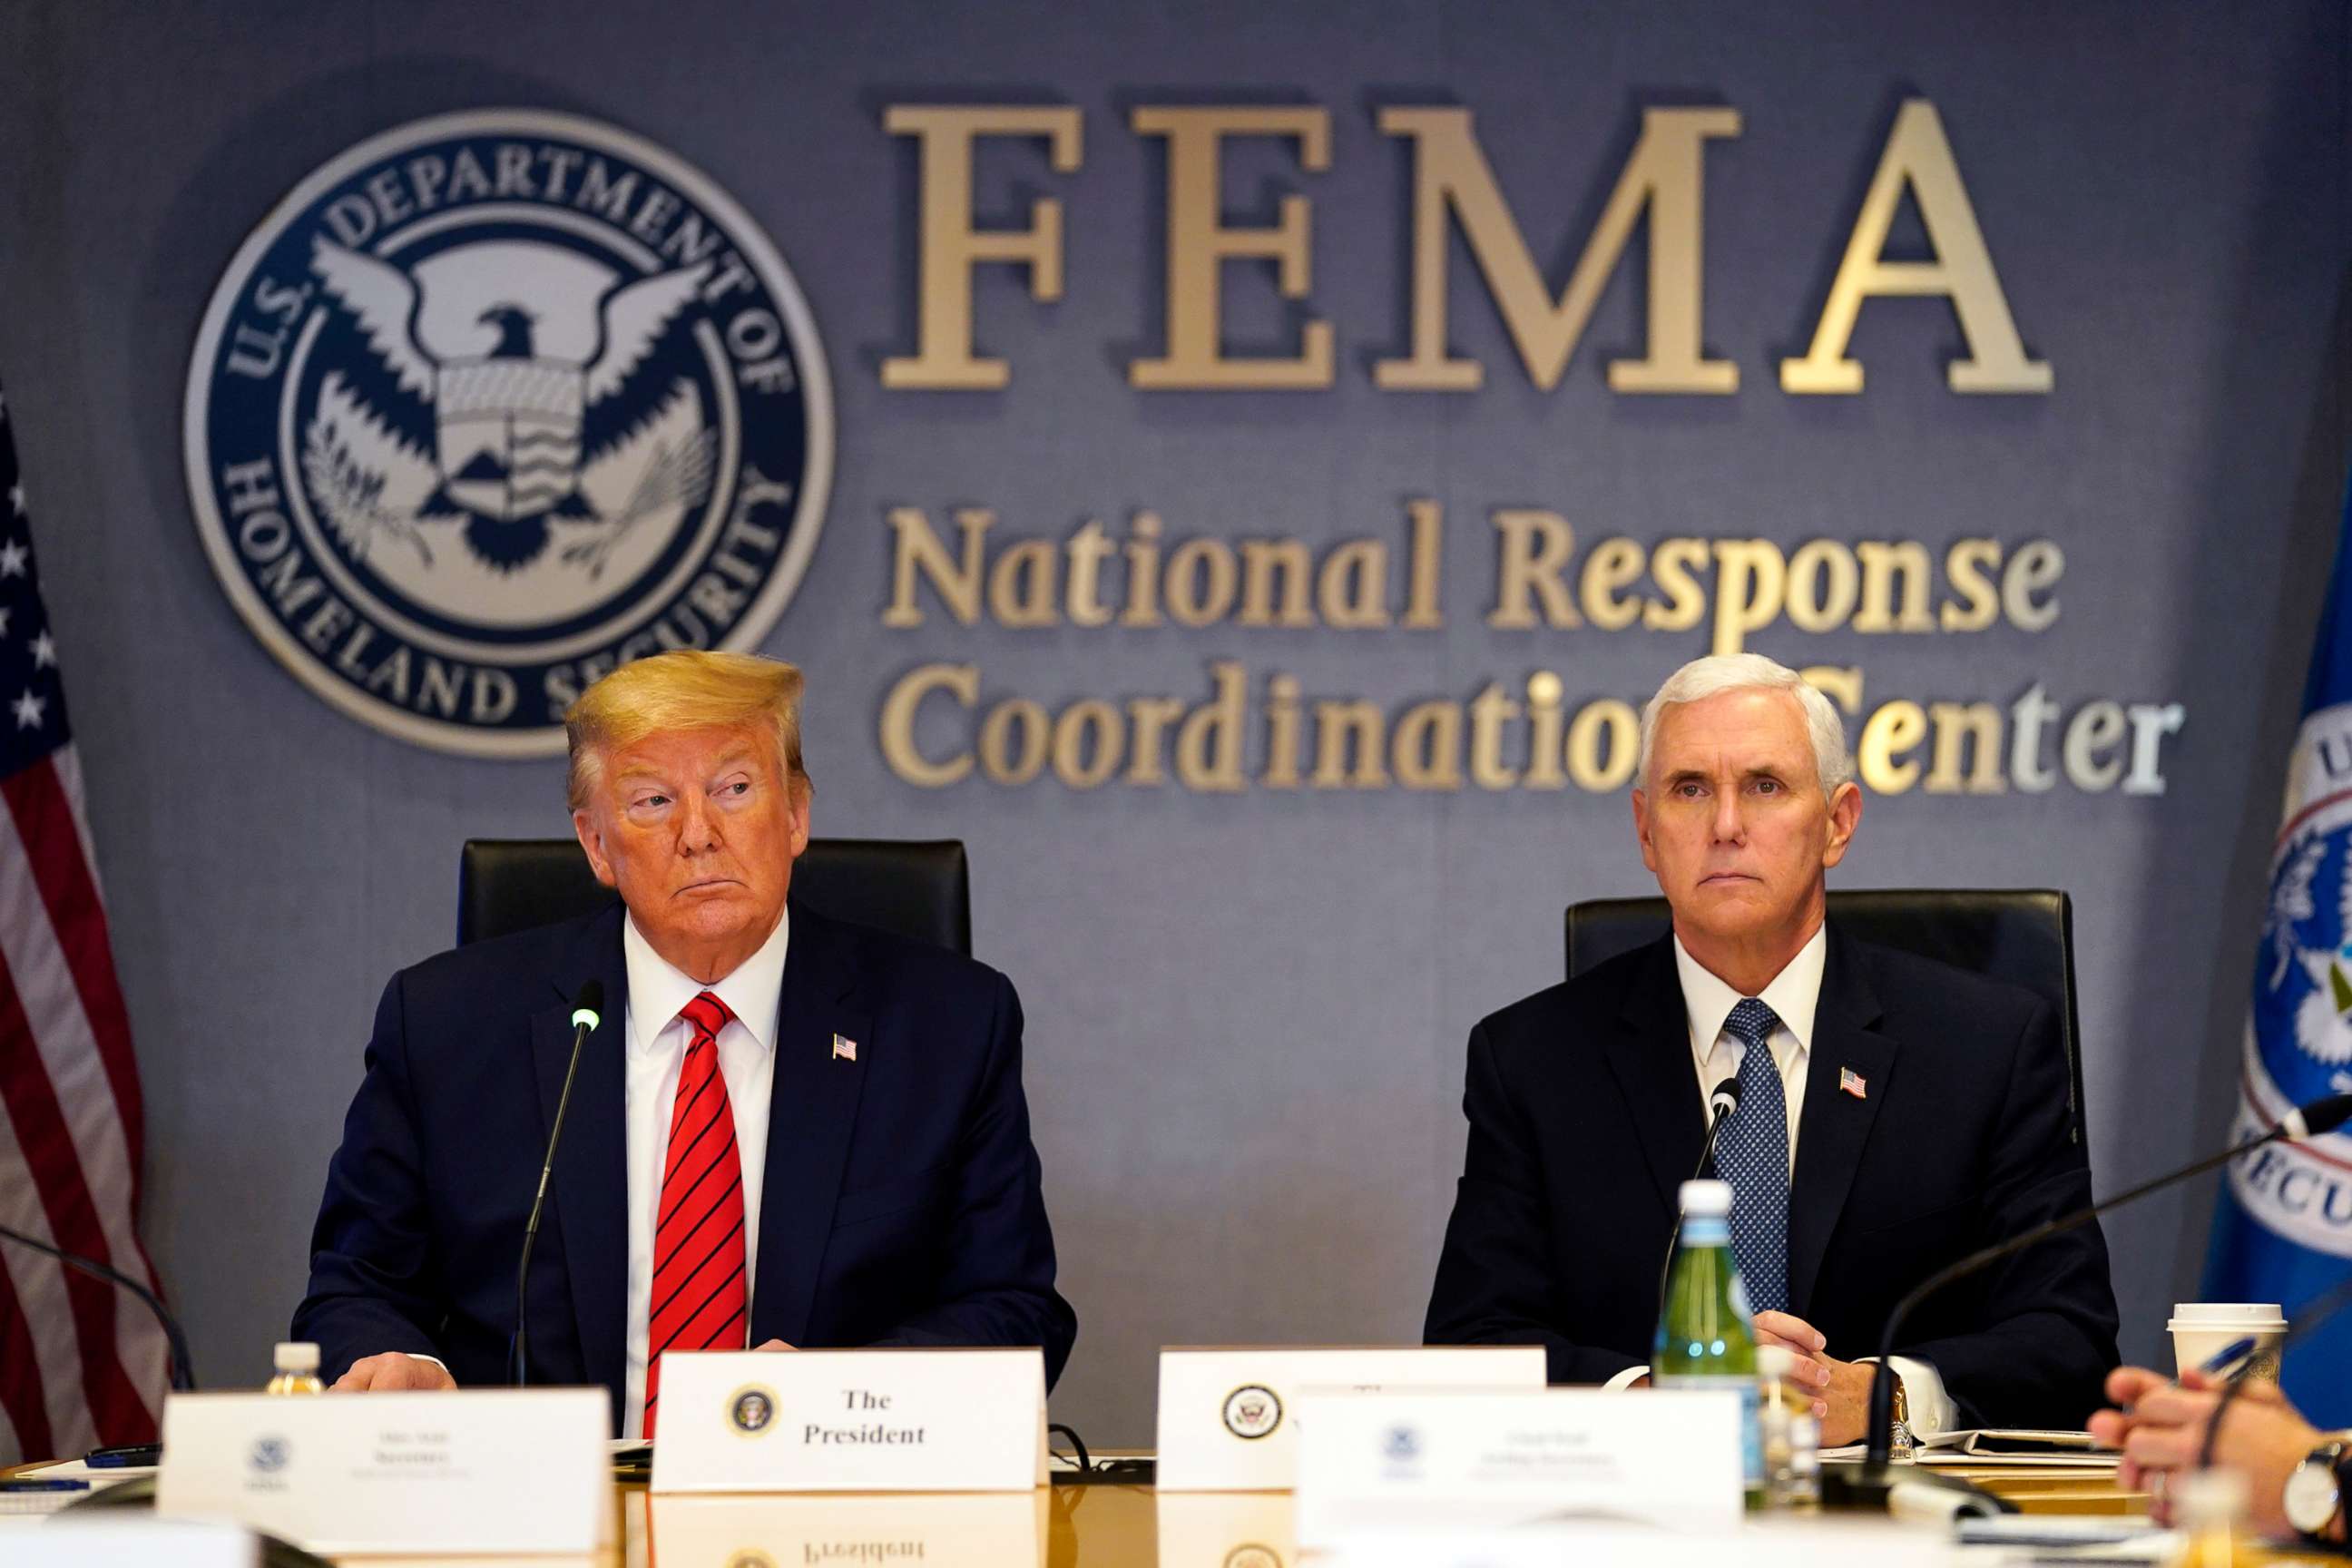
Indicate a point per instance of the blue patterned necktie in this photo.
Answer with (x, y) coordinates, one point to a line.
(1752, 1154)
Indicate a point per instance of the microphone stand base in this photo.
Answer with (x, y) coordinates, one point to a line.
(1873, 1488)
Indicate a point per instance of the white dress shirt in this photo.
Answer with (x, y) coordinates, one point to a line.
(1794, 995)
(656, 1045)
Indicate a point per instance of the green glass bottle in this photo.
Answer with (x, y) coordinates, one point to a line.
(1706, 1338)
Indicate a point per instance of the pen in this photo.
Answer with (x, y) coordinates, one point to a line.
(133, 1454)
(2229, 1356)
(39, 1484)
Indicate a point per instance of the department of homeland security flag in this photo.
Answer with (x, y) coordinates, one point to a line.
(80, 1365)
(2283, 1227)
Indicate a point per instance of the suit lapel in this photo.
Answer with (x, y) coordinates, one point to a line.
(1650, 1056)
(1834, 1125)
(811, 1110)
(589, 1205)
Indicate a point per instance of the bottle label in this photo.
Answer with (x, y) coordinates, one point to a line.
(1707, 1230)
(1751, 1429)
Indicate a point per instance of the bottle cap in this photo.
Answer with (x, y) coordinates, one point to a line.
(1775, 1361)
(1706, 1199)
(296, 1355)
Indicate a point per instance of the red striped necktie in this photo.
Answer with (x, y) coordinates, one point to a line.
(698, 1287)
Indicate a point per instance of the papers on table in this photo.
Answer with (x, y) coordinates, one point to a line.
(2003, 1447)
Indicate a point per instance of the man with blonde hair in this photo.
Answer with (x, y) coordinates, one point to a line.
(1894, 1113)
(785, 1132)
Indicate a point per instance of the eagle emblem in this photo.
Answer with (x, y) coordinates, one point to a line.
(507, 425)
(492, 403)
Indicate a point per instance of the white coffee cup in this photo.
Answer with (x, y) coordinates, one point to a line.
(2203, 1329)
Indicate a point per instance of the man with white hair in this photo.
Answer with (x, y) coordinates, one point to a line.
(1894, 1113)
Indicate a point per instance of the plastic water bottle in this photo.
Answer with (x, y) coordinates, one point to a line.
(2211, 1510)
(1788, 1433)
(297, 1362)
(1706, 1338)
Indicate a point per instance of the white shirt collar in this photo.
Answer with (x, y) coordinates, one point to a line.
(1794, 995)
(753, 991)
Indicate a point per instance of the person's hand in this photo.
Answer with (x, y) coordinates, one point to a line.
(2159, 1426)
(1841, 1389)
(775, 1345)
(393, 1372)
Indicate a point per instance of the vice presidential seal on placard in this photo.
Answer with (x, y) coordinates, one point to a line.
(1252, 1411)
(493, 403)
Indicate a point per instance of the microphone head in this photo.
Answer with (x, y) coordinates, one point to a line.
(2319, 1117)
(1724, 1098)
(588, 1007)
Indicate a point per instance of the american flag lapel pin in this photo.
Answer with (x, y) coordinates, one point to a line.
(844, 1049)
(1849, 1080)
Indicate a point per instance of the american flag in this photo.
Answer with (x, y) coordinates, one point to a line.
(78, 1365)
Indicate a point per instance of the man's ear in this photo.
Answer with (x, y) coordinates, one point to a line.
(801, 795)
(1642, 830)
(1845, 815)
(584, 827)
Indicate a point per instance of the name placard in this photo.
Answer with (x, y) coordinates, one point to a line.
(495, 1471)
(896, 1420)
(1772, 1541)
(134, 1542)
(938, 1530)
(1369, 1462)
(1228, 1416)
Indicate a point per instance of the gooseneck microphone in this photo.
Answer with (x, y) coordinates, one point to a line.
(183, 1371)
(1722, 1100)
(2320, 1116)
(587, 1012)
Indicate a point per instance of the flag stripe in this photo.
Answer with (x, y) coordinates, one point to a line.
(65, 1033)
(39, 1291)
(65, 1039)
(30, 1101)
(21, 1412)
(48, 825)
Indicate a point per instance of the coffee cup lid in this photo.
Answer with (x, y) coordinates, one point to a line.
(2232, 1313)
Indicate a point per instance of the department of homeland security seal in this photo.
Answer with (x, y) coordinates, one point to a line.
(2298, 1045)
(493, 403)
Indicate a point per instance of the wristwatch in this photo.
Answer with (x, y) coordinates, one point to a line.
(2314, 1494)
(1901, 1444)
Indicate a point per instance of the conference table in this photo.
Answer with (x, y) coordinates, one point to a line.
(1096, 1525)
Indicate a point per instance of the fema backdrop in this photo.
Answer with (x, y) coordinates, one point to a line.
(1391, 393)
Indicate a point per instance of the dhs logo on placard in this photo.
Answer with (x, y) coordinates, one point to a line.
(493, 403)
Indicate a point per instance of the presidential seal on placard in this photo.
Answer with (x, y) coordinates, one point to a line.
(1252, 1411)
(493, 403)
(751, 1409)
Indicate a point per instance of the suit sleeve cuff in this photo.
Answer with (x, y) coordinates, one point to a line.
(1931, 1407)
(1627, 1378)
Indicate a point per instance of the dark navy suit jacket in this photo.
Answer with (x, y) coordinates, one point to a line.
(1585, 1118)
(901, 1202)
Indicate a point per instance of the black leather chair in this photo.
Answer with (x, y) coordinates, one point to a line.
(916, 889)
(2024, 936)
